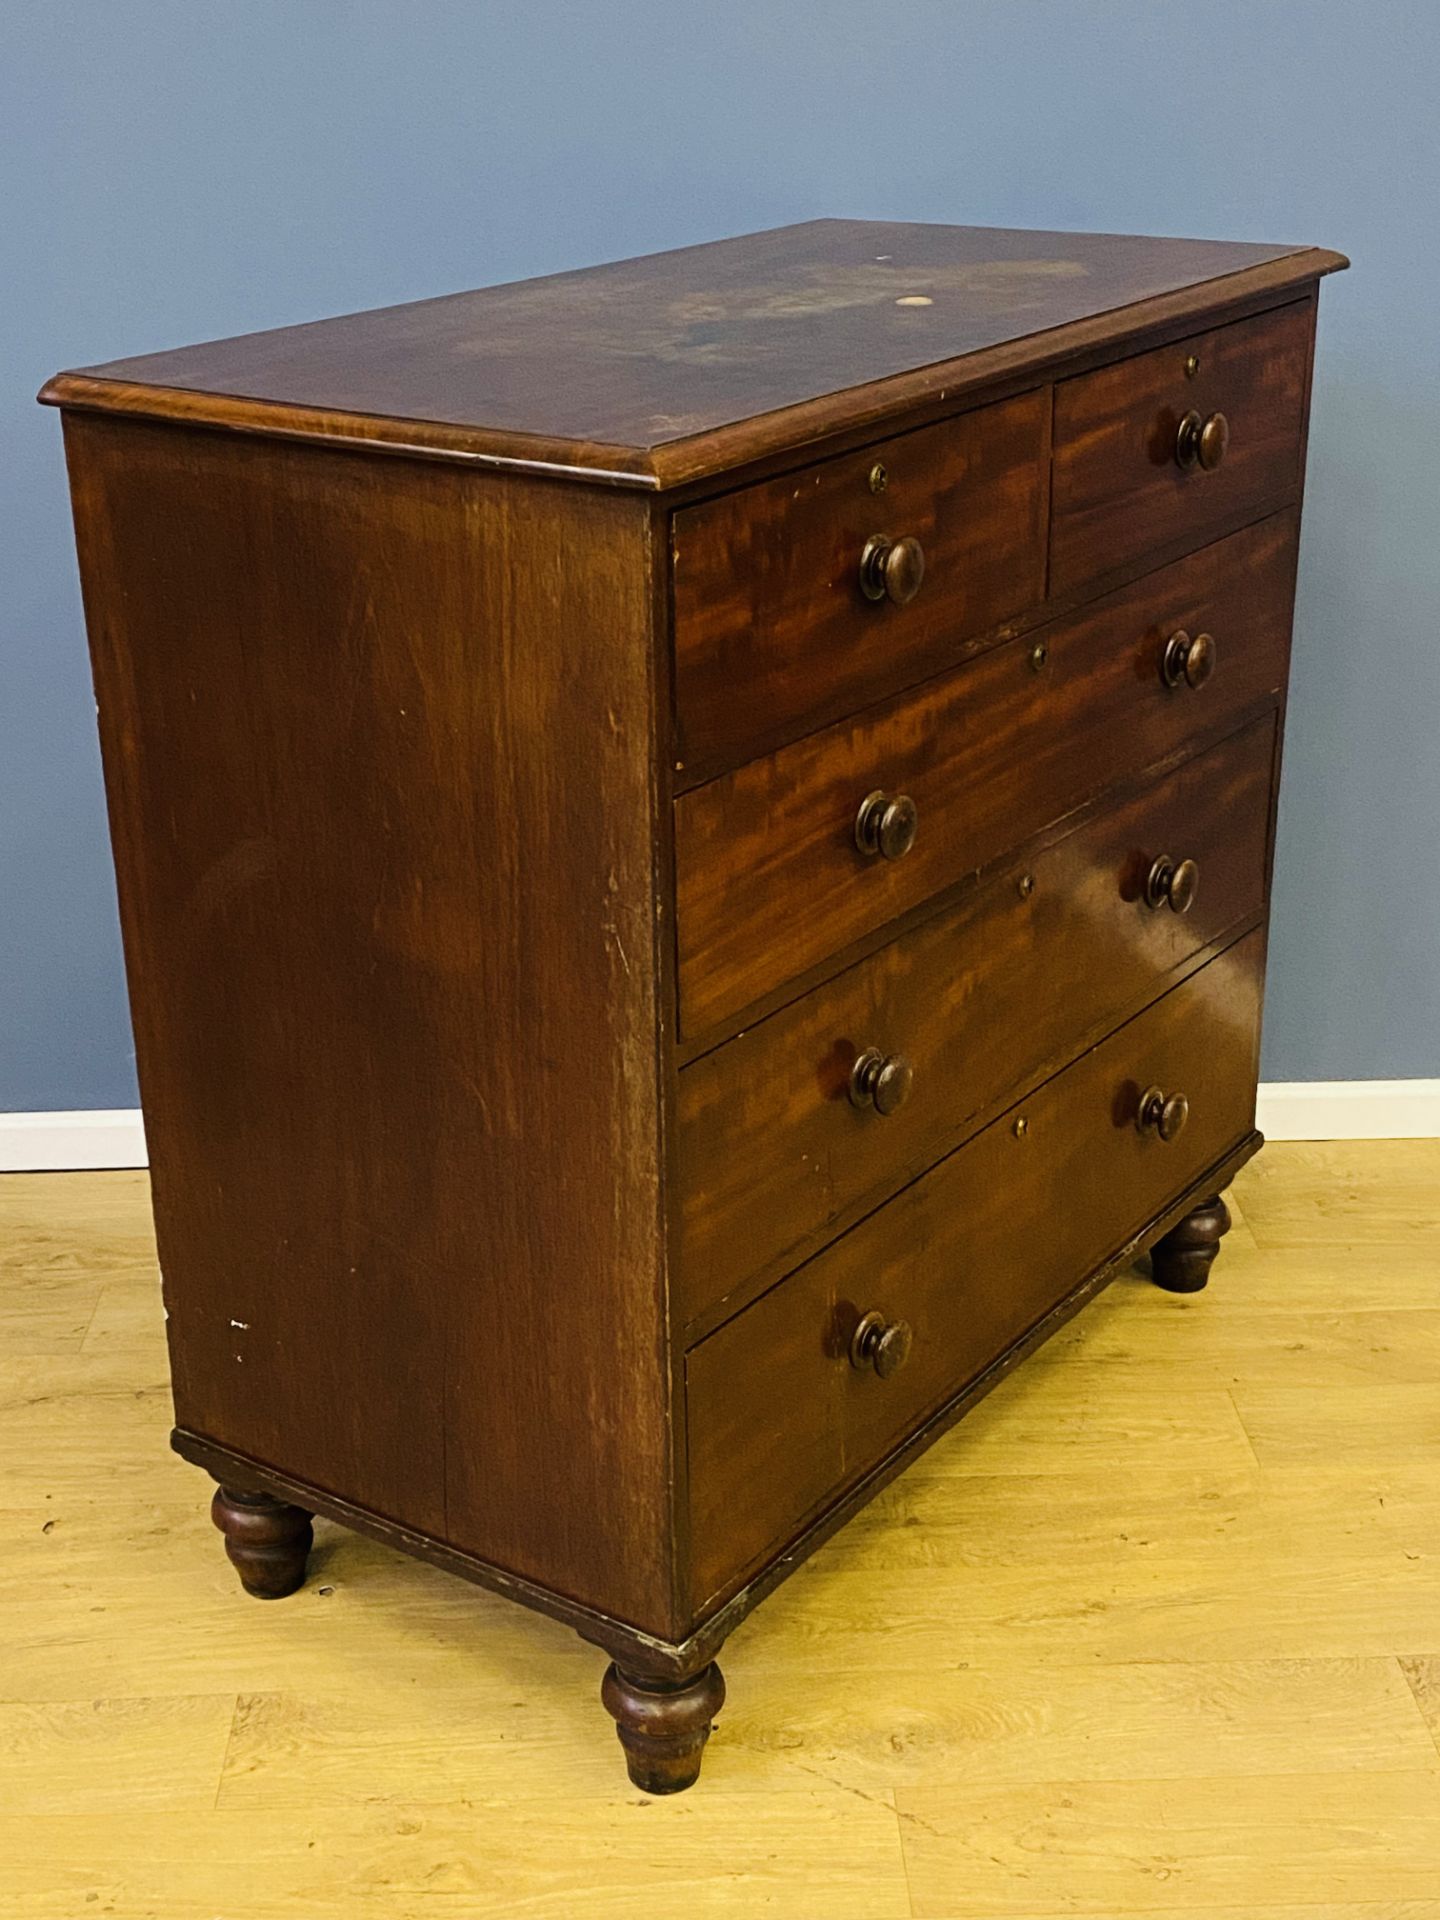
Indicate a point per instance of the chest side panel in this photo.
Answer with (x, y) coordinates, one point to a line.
(378, 742)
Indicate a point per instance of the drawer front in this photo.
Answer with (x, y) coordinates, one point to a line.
(774, 633)
(770, 880)
(777, 1145)
(1120, 488)
(969, 1258)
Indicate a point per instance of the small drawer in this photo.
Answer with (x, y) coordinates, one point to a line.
(791, 597)
(788, 1132)
(1159, 453)
(785, 1408)
(771, 878)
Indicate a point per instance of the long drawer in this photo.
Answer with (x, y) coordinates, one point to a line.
(838, 1099)
(783, 1411)
(771, 878)
(1164, 450)
(774, 629)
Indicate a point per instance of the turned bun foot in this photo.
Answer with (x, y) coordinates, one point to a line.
(267, 1540)
(1181, 1262)
(663, 1725)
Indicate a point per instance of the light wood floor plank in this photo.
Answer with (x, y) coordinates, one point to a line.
(124, 1318)
(1293, 1347)
(1169, 1846)
(1009, 1722)
(1305, 1910)
(1320, 1278)
(1043, 1421)
(701, 1855)
(1423, 1677)
(1084, 1520)
(1365, 1193)
(1225, 1608)
(1363, 1427)
(115, 1756)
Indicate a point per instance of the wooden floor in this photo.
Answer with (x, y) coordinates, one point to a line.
(1156, 1630)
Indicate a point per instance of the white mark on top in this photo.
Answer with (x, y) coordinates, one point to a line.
(243, 1325)
(915, 300)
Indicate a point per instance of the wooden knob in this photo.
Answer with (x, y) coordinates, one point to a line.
(1187, 659)
(1162, 1114)
(1201, 440)
(881, 1080)
(881, 1344)
(886, 824)
(1214, 439)
(891, 569)
(1172, 883)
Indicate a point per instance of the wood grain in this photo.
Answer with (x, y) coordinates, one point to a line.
(480, 1858)
(769, 880)
(682, 364)
(772, 1156)
(1179, 1846)
(349, 986)
(58, 1756)
(983, 1725)
(1348, 1194)
(1118, 490)
(970, 1256)
(773, 635)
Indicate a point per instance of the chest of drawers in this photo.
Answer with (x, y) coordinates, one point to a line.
(693, 843)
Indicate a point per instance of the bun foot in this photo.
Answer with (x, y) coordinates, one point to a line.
(663, 1725)
(266, 1539)
(1182, 1260)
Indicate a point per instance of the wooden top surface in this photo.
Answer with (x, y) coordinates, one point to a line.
(664, 369)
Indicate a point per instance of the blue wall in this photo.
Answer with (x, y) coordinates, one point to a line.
(178, 169)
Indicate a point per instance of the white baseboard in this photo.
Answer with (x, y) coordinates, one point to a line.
(68, 1142)
(1287, 1110)
(1349, 1109)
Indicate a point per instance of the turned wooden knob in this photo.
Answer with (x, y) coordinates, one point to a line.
(1162, 1114)
(886, 824)
(891, 569)
(880, 1080)
(1189, 660)
(1172, 883)
(880, 1343)
(1201, 440)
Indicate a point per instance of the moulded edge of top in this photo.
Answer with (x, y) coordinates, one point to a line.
(718, 450)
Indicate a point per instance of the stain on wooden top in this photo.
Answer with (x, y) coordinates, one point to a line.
(662, 369)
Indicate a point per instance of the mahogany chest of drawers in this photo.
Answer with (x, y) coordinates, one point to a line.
(693, 843)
